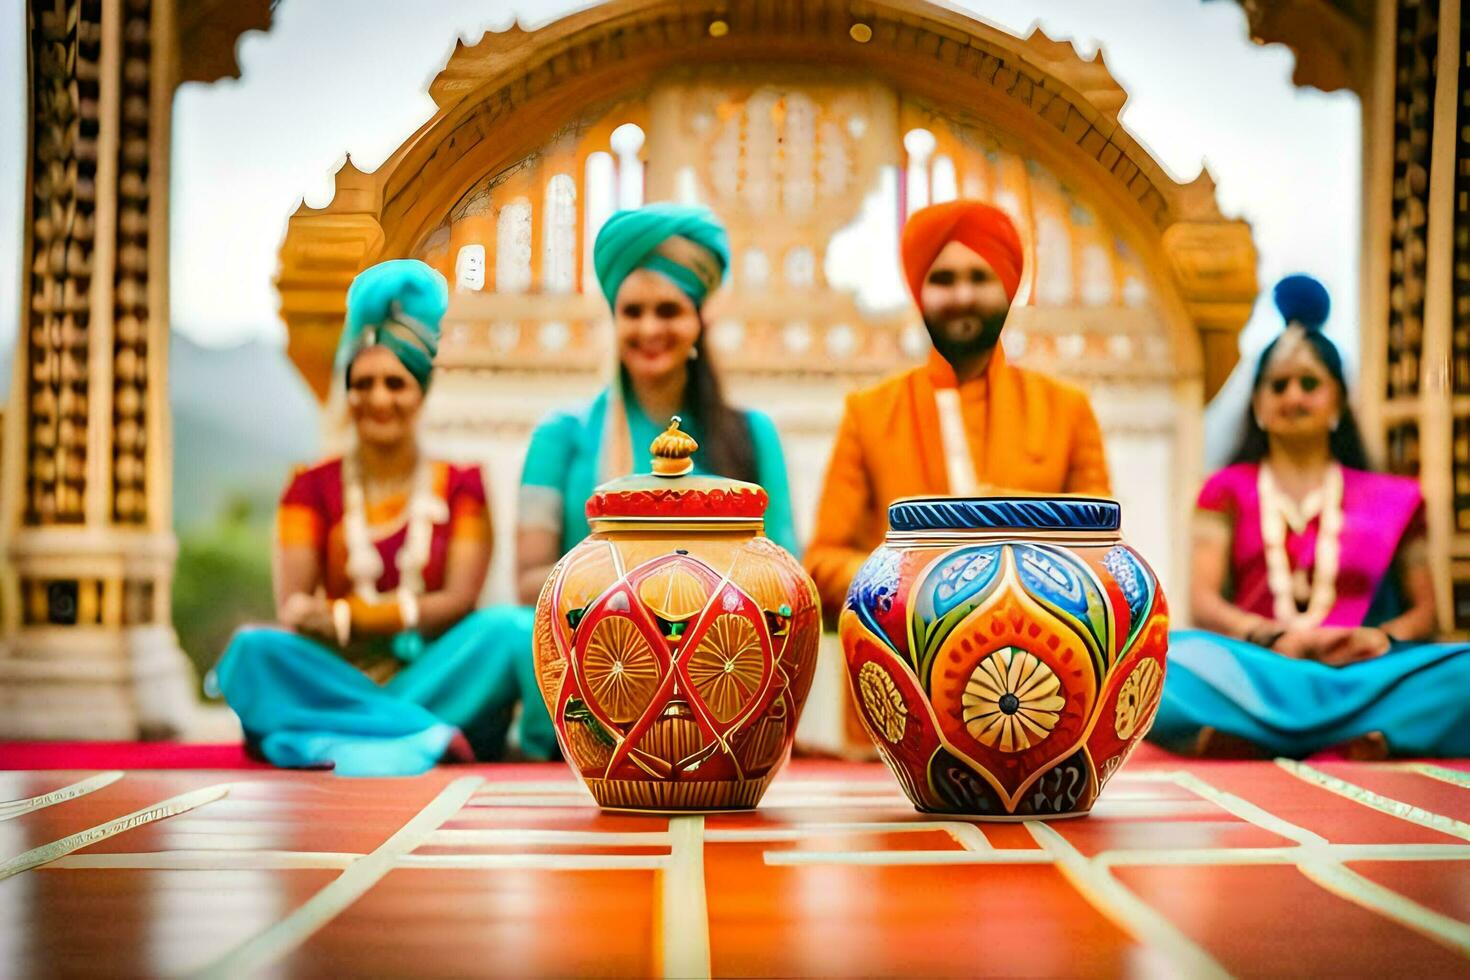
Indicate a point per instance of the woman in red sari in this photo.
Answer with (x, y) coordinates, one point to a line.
(381, 664)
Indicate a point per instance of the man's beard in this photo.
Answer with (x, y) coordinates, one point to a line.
(962, 337)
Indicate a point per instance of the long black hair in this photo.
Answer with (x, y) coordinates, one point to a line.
(728, 447)
(1303, 302)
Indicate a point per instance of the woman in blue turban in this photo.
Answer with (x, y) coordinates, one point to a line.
(380, 664)
(1311, 577)
(656, 265)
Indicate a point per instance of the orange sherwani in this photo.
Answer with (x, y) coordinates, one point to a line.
(1026, 432)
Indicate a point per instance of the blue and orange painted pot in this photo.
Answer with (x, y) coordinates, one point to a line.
(1006, 654)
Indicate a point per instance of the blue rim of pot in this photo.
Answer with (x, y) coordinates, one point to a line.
(1017, 513)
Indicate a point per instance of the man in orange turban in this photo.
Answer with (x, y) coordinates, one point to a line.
(965, 423)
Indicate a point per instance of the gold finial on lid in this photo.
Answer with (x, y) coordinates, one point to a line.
(672, 450)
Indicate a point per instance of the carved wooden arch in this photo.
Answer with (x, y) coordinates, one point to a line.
(500, 99)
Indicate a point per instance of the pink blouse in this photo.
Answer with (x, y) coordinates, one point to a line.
(1379, 512)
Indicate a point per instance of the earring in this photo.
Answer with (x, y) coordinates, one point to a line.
(694, 353)
(1336, 422)
(1257, 417)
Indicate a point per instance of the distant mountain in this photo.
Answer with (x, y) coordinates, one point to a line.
(242, 418)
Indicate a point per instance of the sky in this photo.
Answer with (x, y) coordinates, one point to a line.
(350, 76)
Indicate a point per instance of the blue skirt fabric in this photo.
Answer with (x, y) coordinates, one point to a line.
(1416, 695)
(306, 707)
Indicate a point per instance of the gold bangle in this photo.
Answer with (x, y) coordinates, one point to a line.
(342, 621)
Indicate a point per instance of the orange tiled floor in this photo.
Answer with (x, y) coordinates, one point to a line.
(1248, 868)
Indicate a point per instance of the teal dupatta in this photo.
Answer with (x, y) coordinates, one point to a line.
(565, 462)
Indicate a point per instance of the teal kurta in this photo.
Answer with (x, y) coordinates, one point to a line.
(563, 467)
(303, 706)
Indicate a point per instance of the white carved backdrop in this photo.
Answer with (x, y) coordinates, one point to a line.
(813, 179)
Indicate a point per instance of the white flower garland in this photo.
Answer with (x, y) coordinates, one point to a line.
(1278, 511)
(364, 563)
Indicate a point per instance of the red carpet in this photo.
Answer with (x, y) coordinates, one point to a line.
(126, 755)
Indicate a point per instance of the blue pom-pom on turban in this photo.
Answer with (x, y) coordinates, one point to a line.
(396, 304)
(1304, 303)
(1304, 300)
(685, 244)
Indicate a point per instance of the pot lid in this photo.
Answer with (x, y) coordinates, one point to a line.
(672, 490)
(1018, 513)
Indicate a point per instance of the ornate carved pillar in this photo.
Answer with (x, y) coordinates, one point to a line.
(1416, 262)
(89, 650)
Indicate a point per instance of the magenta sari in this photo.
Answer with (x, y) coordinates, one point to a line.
(1380, 512)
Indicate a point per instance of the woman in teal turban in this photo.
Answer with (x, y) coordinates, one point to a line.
(380, 664)
(656, 265)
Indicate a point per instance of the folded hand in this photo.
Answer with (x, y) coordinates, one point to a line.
(308, 614)
(1309, 642)
(1363, 643)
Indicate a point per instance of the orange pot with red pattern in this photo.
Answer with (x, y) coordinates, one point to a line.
(676, 644)
(1006, 654)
